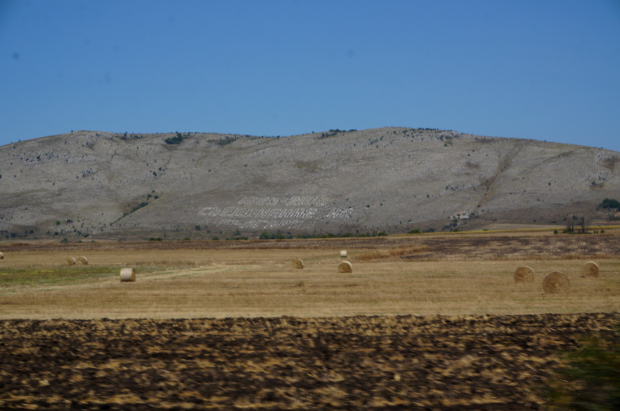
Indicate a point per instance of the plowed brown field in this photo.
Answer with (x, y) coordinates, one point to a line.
(346, 363)
(440, 246)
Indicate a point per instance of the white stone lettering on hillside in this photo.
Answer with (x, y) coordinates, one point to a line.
(258, 212)
(266, 224)
(259, 201)
(340, 213)
(304, 201)
(268, 213)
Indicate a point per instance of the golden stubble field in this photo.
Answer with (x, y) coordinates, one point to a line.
(246, 282)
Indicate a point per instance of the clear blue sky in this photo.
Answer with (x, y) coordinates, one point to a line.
(547, 70)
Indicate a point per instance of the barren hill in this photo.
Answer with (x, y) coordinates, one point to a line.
(200, 185)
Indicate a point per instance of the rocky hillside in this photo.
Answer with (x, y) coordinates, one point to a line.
(201, 185)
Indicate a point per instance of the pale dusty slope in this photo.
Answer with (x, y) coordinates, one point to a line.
(377, 179)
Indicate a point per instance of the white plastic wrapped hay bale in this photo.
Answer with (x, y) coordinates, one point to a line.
(128, 275)
(345, 267)
(556, 283)
(524, 275)
(343, 254)
(82, 260)
(590, 270)
(70, 261)
(297, 264)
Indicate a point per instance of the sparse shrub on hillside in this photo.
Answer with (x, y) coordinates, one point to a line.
(609, 203)
(332, 132)
(178, 139)
(226, 141)
(265, 235)
(139, 206)
(414, 232)
(126, 137)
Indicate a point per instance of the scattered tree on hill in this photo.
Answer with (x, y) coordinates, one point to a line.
(609, 203)
(175, 140)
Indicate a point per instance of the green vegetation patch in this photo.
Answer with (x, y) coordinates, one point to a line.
(59, 275)
(589, 378)
(226, 141)
(178, 139)
(610, 203)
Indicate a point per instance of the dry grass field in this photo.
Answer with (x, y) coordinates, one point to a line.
(191, 331)
(419, 279)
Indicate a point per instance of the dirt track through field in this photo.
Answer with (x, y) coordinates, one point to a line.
(375, 363)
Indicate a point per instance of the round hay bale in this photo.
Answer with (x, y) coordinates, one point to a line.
(297, 264)
(343, 254)
(128, 274)
(70, 261)
(345, 267)
(556, 283)
(1, 256)
(524, 275)
(82, 260)
(590, 269)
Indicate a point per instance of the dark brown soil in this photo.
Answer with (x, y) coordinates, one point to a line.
(517, 247)
(374, 363)
(440, 247)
